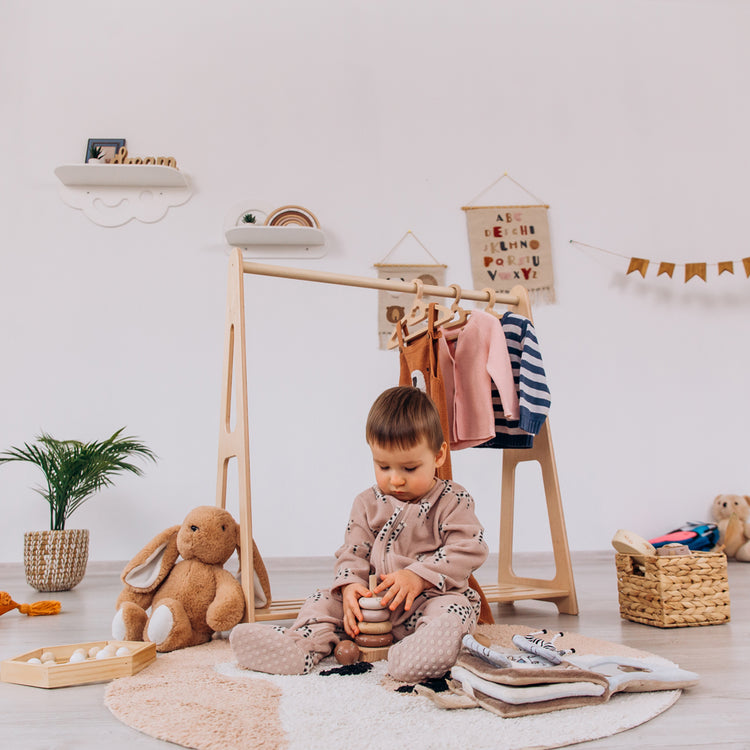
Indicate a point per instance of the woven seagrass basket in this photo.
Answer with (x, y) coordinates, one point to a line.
(55, 560)
(674, 592)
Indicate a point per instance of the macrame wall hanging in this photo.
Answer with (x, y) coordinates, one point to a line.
(697, 270)
(393, 305)
(510, 245)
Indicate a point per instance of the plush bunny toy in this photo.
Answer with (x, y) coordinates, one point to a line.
(189, 599)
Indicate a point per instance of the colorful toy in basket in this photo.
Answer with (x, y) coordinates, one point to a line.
(189, 599)
(732, 514)
(700, 537)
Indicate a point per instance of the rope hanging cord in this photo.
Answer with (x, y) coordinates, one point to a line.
(407, 287)
(411, 234)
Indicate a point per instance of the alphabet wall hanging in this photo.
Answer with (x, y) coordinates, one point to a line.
(510, 245)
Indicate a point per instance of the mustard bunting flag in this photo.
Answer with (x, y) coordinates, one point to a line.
(692, 270)
(638, 264)
(667, 268)
(695, 269)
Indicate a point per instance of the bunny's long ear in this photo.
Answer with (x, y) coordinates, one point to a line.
(152, 564)
(261, 581)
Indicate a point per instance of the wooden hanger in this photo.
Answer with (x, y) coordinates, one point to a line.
(456, 310)
(416, 314)
(432, 310)
(491, 303)
(419, 313)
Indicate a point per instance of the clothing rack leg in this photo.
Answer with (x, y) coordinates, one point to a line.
(510, 587)
(560, 589)
(234, 442)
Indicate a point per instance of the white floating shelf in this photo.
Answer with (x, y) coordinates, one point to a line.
(277, 242)
(113, 194)
(124, 175)
(252, 235)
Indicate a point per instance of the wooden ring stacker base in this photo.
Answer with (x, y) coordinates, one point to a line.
(373, 641)
(371, 655)
(375, 628)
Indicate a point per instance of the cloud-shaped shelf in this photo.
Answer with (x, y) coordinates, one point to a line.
(113, 194)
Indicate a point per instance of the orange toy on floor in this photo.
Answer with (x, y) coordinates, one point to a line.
(48, 607)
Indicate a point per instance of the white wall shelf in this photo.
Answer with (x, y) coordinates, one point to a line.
(260, 241)
(113, 194)
(278, 242)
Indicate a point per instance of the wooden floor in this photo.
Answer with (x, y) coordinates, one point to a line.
(712, 715)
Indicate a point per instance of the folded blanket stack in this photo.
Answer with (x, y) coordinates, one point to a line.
(538, 677)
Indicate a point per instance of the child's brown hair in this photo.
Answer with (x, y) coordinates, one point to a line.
(401, 417)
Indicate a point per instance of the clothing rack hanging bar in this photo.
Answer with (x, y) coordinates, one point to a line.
(234, 444)
(408, 287)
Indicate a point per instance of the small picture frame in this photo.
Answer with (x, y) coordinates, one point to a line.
(103, 150)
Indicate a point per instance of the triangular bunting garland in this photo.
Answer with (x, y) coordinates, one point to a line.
(692, 270)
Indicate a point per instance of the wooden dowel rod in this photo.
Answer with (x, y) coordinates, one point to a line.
(326, 277)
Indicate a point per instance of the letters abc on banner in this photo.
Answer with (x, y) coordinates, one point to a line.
(510, 245)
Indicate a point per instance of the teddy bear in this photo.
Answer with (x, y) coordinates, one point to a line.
(732, 516)
(190, 599)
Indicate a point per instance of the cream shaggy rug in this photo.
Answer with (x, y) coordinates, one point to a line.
(199, 698)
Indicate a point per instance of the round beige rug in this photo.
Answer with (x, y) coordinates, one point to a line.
(199, 698)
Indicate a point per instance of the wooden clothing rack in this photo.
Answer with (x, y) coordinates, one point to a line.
(234, 443)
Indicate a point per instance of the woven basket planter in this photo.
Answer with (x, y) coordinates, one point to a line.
(674, 592)
(55, 560)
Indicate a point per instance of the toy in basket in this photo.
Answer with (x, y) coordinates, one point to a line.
(670, 590)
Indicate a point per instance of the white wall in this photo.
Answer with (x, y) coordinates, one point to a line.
(629, 118)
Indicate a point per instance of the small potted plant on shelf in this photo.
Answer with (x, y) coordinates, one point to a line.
(95, 154)
(74, 471)
(249, 218)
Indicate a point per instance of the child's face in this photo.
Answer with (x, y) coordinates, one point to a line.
(407, 473)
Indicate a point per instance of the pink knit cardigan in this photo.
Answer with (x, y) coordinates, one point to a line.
(471, 358)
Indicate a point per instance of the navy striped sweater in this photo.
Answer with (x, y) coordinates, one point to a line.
(531, 386)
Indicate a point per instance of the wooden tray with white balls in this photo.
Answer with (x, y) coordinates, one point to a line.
(78, 663)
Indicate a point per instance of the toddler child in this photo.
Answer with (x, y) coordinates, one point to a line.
(418, 534)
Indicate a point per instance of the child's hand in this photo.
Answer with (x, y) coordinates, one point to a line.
(403, 586)
(352, 613)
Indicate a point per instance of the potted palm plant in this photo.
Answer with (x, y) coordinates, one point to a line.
(74, 471)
